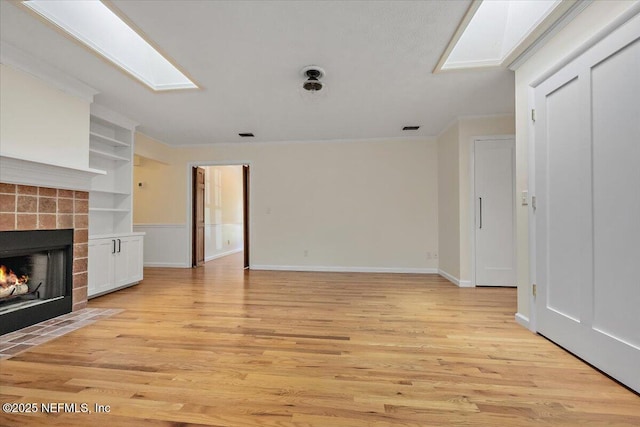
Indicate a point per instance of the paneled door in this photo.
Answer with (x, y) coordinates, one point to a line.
(494, 169)
(587, 218)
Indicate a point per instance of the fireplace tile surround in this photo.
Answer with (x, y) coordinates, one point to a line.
(26, 207)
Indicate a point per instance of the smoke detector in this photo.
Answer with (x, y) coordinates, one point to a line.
(313, 75)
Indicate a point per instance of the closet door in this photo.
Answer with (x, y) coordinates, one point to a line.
(587, 171)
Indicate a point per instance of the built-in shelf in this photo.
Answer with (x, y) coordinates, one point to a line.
(110, 191)
(115, 210)
(109, 156)
(107, 140)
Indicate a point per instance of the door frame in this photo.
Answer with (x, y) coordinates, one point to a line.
(194, 188)
(472, 199)
(248, 222)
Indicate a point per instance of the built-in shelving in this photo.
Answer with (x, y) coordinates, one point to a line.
(110, 150)
(108, 155)
(115, 252)
(108, 140)
(108, 210)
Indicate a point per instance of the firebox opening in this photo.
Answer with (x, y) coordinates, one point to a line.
(35, 276)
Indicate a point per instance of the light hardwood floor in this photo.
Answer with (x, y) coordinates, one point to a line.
(218, 346)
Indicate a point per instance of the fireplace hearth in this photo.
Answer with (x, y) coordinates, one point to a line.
(36, 276)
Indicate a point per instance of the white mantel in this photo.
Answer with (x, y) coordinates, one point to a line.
(14, 170)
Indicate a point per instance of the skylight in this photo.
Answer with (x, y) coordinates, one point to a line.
(495, 31)
(98, 27)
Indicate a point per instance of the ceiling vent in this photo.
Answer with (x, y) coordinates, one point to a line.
(411, 128)
(246, 135)
(313, 74)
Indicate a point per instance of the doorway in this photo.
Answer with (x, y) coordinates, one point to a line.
(220, 212)
(494, 204)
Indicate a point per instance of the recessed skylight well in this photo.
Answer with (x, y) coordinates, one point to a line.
(98, 27)
(495, 31)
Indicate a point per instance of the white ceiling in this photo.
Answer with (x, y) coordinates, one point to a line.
(247, 57)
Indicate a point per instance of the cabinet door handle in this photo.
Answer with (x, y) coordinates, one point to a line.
(113, 251)
(119, 245)
(481, 213)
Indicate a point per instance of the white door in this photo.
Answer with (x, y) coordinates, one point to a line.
(101, 261)
(587, 220)
(494, 162)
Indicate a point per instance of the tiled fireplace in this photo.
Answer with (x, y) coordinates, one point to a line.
(24, 207)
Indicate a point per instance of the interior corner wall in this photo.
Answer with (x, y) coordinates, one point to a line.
(159, 204)
(449, 203)
(584, 26)
(42, 123)
(324, 206)
(223, 211)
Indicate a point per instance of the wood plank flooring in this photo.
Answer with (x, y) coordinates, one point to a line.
(217, 346)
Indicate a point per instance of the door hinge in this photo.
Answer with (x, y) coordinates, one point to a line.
(533, 115)
(533, 203)
(534, 290)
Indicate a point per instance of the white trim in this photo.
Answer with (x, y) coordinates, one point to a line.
(466, 284)
(15, 170)
(166, 265)
(16, 58)
(518, 56)
(341, 269)
(531, 191)
(449, 277)
(223, 254)
(523, 320)
(113, 117)
(611, 27)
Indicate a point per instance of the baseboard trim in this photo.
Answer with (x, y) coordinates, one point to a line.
(522, 320)
(335, 269)
(465, 284)
(167, 264)
(223, 254)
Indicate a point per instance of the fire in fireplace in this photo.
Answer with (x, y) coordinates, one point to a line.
(35, 276)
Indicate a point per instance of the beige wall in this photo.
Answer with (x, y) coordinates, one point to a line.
(454, 189)
(593, 19)
(449, 201)
(363, 204)
(42, 123)
(161, 199)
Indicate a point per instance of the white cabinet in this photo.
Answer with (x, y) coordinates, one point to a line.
(114, 262)
(115, 252)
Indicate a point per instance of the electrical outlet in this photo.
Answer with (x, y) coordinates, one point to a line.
(306, 253)
(428, 255)
(435, 255)
(228, 242)
(525, 198)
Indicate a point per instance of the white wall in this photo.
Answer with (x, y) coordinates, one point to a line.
(589, 22)
(353, 205)
(42, 123)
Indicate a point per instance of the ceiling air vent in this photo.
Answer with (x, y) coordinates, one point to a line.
(411, 128)
(246, 135)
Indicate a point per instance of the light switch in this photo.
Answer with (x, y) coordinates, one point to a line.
(525, 198)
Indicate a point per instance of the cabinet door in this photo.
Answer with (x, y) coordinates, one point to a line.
(128, 260)
(101, 264)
